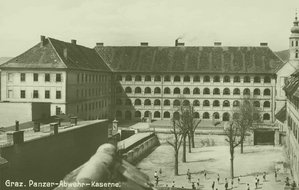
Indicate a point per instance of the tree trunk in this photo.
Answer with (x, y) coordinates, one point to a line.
(192, 138)
(184, 149)
(232, 167)
(189, 142)
(242, 141)
(176, 163)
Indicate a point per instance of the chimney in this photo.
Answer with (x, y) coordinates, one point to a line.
(74, 42)
(264, 44)
(36, 126)
(17, 126)
(74, 121)
(65, 53)
(217, 43)
(100, 44)
(179, 44)
(54, 128)
(143, 43)
(15, 137)
(42, 41)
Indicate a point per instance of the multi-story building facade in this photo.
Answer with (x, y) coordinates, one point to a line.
(155, 81)
(292, 106)
(73, 78)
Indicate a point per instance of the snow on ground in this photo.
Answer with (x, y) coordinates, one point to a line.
(216, 159)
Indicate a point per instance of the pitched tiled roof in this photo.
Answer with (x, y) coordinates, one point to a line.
(292, 86)
(190, 59)
(281, 115)
(283, 55)
(51, 55)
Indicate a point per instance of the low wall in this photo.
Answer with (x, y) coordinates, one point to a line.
(141, 150)
(50, 158)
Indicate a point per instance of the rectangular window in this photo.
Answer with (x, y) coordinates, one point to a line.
(58, 77)
(10, 77)
(23, 94)
(9, 94)
(47, 94)
(23, 77)
(35, 77)
(58, 94)
(47, 77)
(35, 93)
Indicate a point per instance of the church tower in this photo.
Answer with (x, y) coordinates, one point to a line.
(294, 43)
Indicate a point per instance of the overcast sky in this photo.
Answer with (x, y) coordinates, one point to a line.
(159, 22)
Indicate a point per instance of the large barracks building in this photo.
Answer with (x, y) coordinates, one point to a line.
(138, 82)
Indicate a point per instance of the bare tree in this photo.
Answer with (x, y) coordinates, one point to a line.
(245, 116)
(176, 144)
(182, 122)
(232, 132)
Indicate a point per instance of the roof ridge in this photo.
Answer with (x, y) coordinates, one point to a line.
(49, 39)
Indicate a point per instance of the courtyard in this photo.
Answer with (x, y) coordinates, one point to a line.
(212, 155)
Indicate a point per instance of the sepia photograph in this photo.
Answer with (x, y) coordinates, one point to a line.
(149, 95)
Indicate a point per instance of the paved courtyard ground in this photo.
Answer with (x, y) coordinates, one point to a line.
(216, 160)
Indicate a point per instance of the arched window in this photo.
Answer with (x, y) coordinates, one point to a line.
(216, 91)
(196, 78)
(186, 103)
(236, 79)
(226, 91)
(147, 90)
(147, 102)
(128, 102)
(157, 90)
(176, 91)
(176, 103)
(137, 102)
(137, 78)
(137, 114)
(128, 90)
(267, 79)
(246, 91)
(148, 78)
(166, 103)
(216, 103)
(147, 113)
(236, 103)
(176, 115)
(216, 115)
(256, 104)
(157, 102)
(206, 103)
(266, 116)
(166, 114)
(128, 115)
(256, 91)
(196, 91)
(196, 103)
(226, 103)
(137, 90)
(186, 91)
(166, 90)
(216, 79)
(266, 104)
(177, 79)
(118, 102)
(167, 78)
(118, 115)
(225, 116)
(119, 78)
(247, 79)
(206, 79)
(157, 114)
(206, 115)
(196, 115)
(157, 78)
(186, 79)
(267, 92)
(206, 91)
(226, 79)
(257, 79)
(236, 91)
(128, 78)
